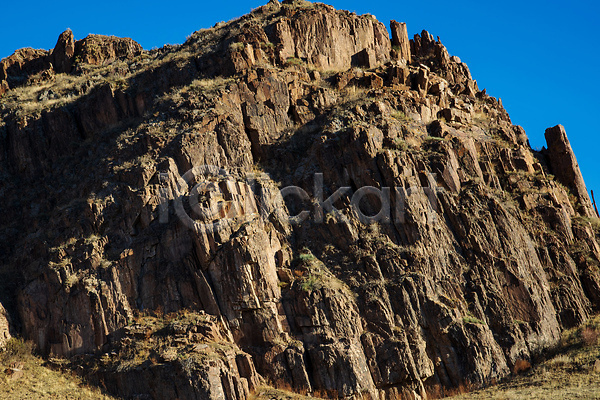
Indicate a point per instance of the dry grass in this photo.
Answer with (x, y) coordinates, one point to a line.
(67, 87)
(266, 392)
(25, 376)
(315, 276)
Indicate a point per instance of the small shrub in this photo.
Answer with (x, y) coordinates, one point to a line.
(16, 349)
(306, 257)
(521, 366)
(236, 46)
(470, 319)
(312, 282)
(294, 61)
(589, 336)
(583, 221)
(433, 139)
(400, 144)
(71, 281)
(561, 360)
(400, 116)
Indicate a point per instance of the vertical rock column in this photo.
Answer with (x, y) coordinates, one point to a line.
(564, 166)
(400, 40)
(63, 54)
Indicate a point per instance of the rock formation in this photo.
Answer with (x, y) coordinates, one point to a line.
(64, 52)
(330, 40)
(29, 66)
(400, 40)
(563, 165)
(158, 277)
(100, 49)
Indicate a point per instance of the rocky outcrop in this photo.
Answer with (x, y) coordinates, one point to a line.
(400, 40)
(64, 52)
(159, 197)
(35, 66)
(189, 354)
(434, 55)
(101, 50)
(563, 165)
(16, 69)
(330, 39)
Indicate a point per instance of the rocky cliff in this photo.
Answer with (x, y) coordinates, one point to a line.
(145, 236)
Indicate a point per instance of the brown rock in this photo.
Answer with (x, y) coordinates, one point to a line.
(400, 40)
(366, 58)
(16, 69)
(421, 81)
(63, 53)
(372, 81)
(330, 39)
(428, 50)
(100, 49)
(564, 166)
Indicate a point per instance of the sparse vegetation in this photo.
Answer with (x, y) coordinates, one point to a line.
(236, 46)
(23, 375)
(314, 275)
(306, 257)
(310, 283)
(433, 139)
(400, 116)
(214, 122)
(295, 61)
(470, 319)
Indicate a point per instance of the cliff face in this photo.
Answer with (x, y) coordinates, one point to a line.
(174, 281)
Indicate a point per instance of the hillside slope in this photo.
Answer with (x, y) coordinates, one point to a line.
(145, 238)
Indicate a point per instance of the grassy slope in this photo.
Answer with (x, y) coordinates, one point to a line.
(37, 381)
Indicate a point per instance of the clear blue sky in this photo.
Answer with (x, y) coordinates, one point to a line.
(542, 58)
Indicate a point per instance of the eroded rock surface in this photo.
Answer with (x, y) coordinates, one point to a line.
(481, 263)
